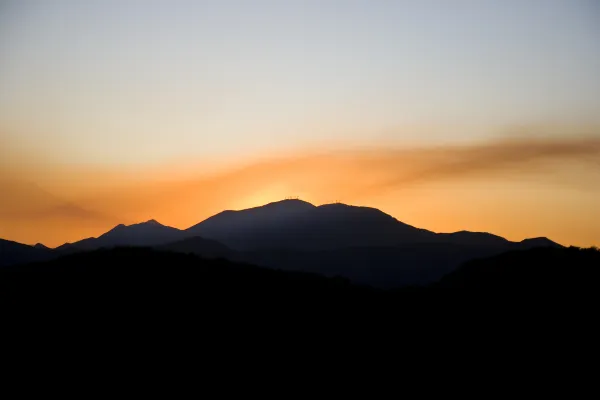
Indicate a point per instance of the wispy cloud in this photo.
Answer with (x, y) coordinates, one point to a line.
(403, 167)
(184, 196)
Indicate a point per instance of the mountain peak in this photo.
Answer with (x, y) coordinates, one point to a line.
(347, 209)
(40, 246)
(151, 222)
(281, 205)
(541, 242)
(149, 233)
(289, 203)
(338, 205)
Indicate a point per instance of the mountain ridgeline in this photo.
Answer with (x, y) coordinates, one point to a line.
(298, 225)
(362, 244)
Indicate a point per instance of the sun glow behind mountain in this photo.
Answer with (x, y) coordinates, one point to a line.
(516, 189)
(482, 116)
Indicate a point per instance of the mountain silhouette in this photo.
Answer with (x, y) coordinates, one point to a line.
(362, 244)
(538, 242)
(298, 225)
(236, 228)
(472, 238)
(149, 233)
(18, 253)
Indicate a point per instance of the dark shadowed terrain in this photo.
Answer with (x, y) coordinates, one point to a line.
(136, 275)
(145, 273)
(534, 270)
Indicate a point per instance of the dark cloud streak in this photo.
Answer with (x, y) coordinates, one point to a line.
(503, 157)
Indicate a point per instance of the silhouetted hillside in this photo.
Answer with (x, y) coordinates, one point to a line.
(270, 215)
(18, 253)
(538, 242)
(148, 233)
(384, 267)
(473, 238)
(547, 268)
(362, 244)
(199, 246)
(143, 274)
(161, 277)
(297, 225)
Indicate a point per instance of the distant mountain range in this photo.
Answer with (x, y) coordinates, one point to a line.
(150, 233)
(362, 244)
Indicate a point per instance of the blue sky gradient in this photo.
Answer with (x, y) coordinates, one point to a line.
(137, 82)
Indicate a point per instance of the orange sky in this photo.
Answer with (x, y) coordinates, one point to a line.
(514, 188)
(484, 118)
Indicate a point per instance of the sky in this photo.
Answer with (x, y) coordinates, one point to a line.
(124, 110)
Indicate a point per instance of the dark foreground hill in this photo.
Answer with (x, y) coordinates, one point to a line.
(533, 270)
(145, 273)
(183, 294)
(117, 301)
(12, 253)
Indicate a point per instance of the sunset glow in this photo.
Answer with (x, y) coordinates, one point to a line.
(480, 116)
